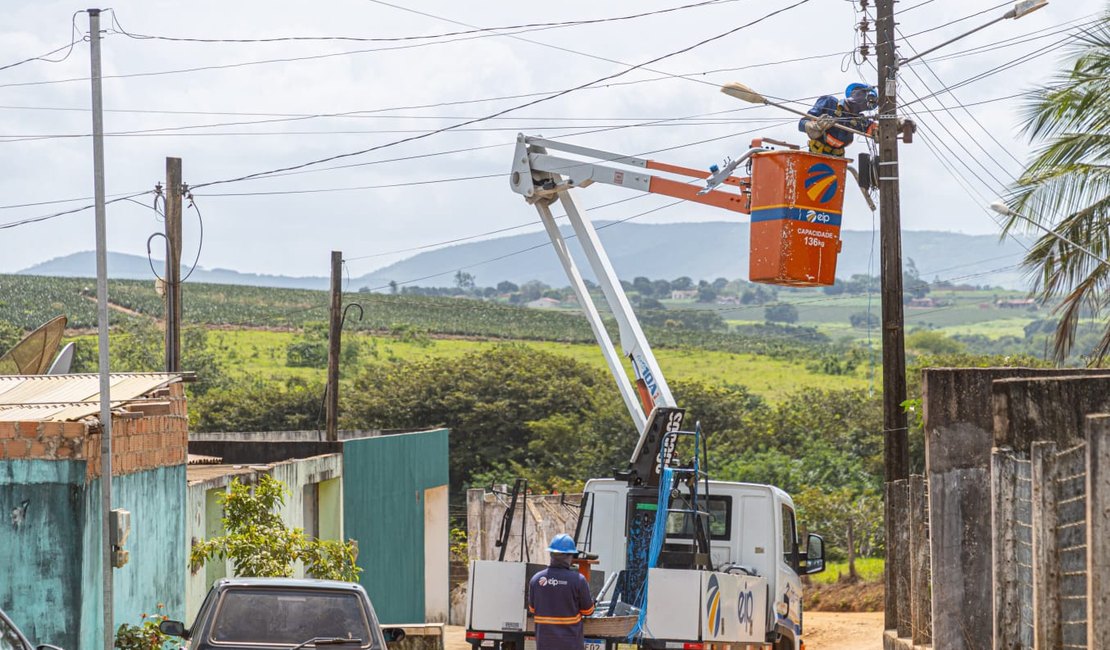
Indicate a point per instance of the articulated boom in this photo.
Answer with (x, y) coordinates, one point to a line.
(542, 179)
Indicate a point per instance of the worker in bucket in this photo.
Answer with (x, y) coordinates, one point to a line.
(826, 134)
(558, 598)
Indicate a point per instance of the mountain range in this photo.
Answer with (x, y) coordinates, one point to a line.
(703, 250)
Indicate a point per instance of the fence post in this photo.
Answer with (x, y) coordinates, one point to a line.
(1098, 530)
(475, 533)
(1047, 629)
(920, 582)
(1007, 606)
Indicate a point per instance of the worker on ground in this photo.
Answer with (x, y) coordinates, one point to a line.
(825, 133)
(559, 597)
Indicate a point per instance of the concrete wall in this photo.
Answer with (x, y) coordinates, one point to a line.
(959, 418)
(51, 579)
(204, 512)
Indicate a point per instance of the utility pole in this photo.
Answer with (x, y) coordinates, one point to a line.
(334, 332)
(173, 264)
(102, 331)
(896, 458)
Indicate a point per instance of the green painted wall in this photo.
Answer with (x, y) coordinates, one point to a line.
(40, 555)
(384, 479)
(52, 586)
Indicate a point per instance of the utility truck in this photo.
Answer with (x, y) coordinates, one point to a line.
(676, 560)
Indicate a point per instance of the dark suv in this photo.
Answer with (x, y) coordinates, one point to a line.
(12, 639)
(255, 613)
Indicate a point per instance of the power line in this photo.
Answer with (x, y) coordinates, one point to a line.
(510, 109)
(47, 217)
(43, 57)
(476, 30)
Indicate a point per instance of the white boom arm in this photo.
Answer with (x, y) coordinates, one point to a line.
(542, 178)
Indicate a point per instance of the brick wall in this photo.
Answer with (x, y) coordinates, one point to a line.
(139, 441)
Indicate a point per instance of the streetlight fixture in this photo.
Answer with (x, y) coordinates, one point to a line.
(1023, 8)
(1005, 210)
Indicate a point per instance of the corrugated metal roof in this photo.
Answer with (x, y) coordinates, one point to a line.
(60, 398)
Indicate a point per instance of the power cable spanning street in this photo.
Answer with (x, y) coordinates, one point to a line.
(699, 517)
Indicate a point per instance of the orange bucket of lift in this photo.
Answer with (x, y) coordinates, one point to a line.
(797, 198)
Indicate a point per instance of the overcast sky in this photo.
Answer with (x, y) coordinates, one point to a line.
(390, 85)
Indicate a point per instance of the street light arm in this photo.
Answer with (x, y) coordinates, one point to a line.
(1005, 210)
(1020, 9)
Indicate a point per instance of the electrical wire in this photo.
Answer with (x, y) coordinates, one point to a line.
(476, 30)
(44, 57)
(47, 217)
(534, 102)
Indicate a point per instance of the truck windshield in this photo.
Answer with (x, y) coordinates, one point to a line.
(287, 617)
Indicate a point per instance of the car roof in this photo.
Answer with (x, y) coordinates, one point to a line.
(289, 583)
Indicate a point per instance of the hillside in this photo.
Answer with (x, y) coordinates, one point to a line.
(706, 250)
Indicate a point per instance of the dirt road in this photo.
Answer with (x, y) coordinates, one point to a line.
(825, 631)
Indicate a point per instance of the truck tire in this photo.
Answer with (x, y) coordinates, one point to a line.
(784, 643)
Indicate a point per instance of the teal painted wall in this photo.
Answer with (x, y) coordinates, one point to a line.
(50, 562)
(384, 479)
(40, 554)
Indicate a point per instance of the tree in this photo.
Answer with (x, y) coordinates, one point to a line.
(9, 336)
(781, 312)
(393, 287)
(661, 289)
(259, 544)
(932, 342)
(863, 319)
(1066, 188)
(505, 286)
(464, 281)
(706, 294)
(682, 284)
(643, 286)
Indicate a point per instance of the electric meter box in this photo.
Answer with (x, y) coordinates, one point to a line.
(796, 203)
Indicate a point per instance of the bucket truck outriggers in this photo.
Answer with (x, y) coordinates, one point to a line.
(678, 561)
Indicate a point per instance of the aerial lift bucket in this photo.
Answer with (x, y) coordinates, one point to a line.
(796, 204)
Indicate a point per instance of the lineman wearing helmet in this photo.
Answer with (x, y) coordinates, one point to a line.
(825, 134)
(559, 597)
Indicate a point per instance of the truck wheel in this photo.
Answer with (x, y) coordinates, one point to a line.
(508, 645)
(784, 643)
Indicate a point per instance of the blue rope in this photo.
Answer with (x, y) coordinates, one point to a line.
(658, 535)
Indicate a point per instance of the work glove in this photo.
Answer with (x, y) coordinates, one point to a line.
(815, 129)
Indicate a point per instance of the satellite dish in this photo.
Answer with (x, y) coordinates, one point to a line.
(64, 361)
(32, 355)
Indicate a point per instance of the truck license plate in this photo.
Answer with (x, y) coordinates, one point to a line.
(595, 644)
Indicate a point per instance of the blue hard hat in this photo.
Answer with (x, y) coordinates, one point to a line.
(863, 95)
(562, 543)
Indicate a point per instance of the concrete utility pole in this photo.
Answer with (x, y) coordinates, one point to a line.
(173, 264)
(896, 456)
(102, 331)
(335, 330)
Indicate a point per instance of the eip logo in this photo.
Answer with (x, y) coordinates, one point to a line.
(821, 183)
(713, 614)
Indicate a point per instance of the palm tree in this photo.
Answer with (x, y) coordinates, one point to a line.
(1070, 176)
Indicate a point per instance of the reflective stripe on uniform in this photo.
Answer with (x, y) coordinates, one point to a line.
(587, 612)
(559, 620)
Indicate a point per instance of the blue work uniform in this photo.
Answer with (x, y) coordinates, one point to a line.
(559, 597)
(835, 138)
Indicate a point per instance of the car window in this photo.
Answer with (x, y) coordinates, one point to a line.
(285, 616)
(9, 637)
(681, 524)
(789, 535)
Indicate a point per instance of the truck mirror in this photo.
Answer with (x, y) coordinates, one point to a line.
(173, 628)
(815, 554)
(393, 634)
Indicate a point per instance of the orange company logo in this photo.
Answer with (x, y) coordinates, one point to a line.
(713, 614)
(821, 183)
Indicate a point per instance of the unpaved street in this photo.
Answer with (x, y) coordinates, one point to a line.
(825, 631)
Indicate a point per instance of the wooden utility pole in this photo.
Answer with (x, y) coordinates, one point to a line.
(896, 457)
(173, 264)
(334, 332)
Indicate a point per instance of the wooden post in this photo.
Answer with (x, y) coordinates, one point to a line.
(1098, 531)
(896, 455)
(1007, 608)
(921, 620)
(173, 264)
(334, 333)
(1047, 630)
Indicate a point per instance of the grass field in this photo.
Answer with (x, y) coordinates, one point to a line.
(870, 569)
(262, 353)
